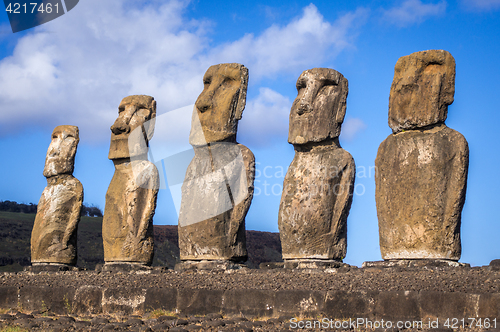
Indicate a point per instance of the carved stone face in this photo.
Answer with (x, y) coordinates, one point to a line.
(319, 109)
(220, 105)
(133, 112)
(61, 153)
(422, 89)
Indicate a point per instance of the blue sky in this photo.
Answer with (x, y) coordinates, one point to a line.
(76, 69)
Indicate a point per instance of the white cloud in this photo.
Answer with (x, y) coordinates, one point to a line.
(351, 128)
(306, 41)
(413, 11)
(76, 69)
(265, 118)
(481, 5)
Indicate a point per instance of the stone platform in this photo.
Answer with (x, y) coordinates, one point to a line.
(50, 267)
(206, 265)
(415, 263)
(395, 293)
(304, 264)
(128, 267)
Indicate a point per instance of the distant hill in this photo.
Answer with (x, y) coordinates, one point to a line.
(15, 234)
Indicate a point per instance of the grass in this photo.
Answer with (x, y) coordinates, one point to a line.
(13, 329)
(15, 237)
(158, 313)
(25, 217)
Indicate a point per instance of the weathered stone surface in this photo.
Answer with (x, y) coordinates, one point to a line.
(217, 193)
(318, 186)
(306, 264)
(123, 300)
(302, 302)
(488, 305)
(212, 265)
(422, 89)
(415, 263)
(199, 301)
(495, 265)
(50, 267)
(55, 299)
(248, 302)
(271, 265)
(126, 267)
(8, 296)
(445, 305)
(220, 105)
(53, 239)
(344, 304)
(88, 300)
(127, 227)
(218, 186)
(160, 299)
(397, 305)
(421, 172)
(420, 191)
(319, 109)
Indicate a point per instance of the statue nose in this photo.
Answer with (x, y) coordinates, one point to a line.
(120, 127)
(205, 101)
(54, 149)
(203, 106)
(304, 107)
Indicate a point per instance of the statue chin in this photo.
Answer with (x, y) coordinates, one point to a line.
(118, 149)
(57, 167)
(201, 138)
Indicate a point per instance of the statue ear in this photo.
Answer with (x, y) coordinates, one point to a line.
(149, 126)
(242, 93)
(344, 89)
(449, 76)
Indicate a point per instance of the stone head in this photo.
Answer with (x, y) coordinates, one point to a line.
(220, 105)
(319, 109)
(134, 112)
(422, 89)
(62, 150)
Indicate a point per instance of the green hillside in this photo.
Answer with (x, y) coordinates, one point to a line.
(15, 234)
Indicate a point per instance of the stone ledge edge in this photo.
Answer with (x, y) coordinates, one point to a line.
(388, 305)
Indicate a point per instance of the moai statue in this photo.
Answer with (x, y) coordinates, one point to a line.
(422, 167)
(53, 239)
(218, 186)
(127, 228)
(318, 186)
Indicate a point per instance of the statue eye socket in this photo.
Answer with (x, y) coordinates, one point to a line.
(121, 109)
(328, 82)
(207, 81)
(301, 85)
